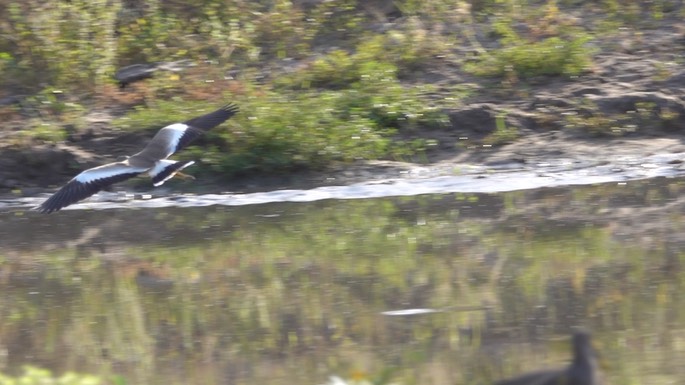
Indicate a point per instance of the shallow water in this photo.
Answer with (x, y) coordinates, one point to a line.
(468, 179)
(442, 288)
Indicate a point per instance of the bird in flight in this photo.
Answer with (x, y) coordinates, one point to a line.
(152, 159)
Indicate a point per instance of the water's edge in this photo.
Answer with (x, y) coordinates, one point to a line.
(502, 178)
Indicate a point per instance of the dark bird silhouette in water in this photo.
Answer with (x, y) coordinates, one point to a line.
(583, 370)
(152, 159)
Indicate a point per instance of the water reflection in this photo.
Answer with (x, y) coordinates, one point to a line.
(294, 293)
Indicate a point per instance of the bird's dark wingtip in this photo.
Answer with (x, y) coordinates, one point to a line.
(231, 107)
(213, 119)
(42, 209)
(47, 207)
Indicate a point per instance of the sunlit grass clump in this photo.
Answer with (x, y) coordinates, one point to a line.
(279, 130)
(37, 376)
(551, 56)
(344, 106)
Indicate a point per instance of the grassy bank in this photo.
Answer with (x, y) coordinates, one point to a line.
(317, 81)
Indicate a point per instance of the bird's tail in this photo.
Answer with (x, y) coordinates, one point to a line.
(166, 169)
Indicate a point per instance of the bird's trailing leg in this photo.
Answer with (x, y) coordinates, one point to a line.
(184, 176)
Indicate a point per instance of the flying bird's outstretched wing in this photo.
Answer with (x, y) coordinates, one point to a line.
(213, 119)
(166, 169)
(177, 136)
(88, 183)
(153, 158)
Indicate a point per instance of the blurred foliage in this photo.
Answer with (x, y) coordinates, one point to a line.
(300, 286)
(78, 44)
(647, 116)
(347, 104)
(37, 376)
(502, 134)
(539, 41)
(552, 56)
(306, 129)
(321, 81)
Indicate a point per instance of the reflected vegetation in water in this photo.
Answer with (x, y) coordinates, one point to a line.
(436, 289)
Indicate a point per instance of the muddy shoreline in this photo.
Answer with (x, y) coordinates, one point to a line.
(540, 152)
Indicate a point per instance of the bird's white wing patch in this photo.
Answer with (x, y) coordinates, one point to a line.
(107, 171)
(160, 166)
(166, 169)
(173, 134)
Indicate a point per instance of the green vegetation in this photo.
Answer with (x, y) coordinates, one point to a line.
(645, 115)
(308, 128)
(537, 41)
(502, 134)
(344, 104)
(317, 81)
(522, 59)
(602, 124)
(37, 376)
